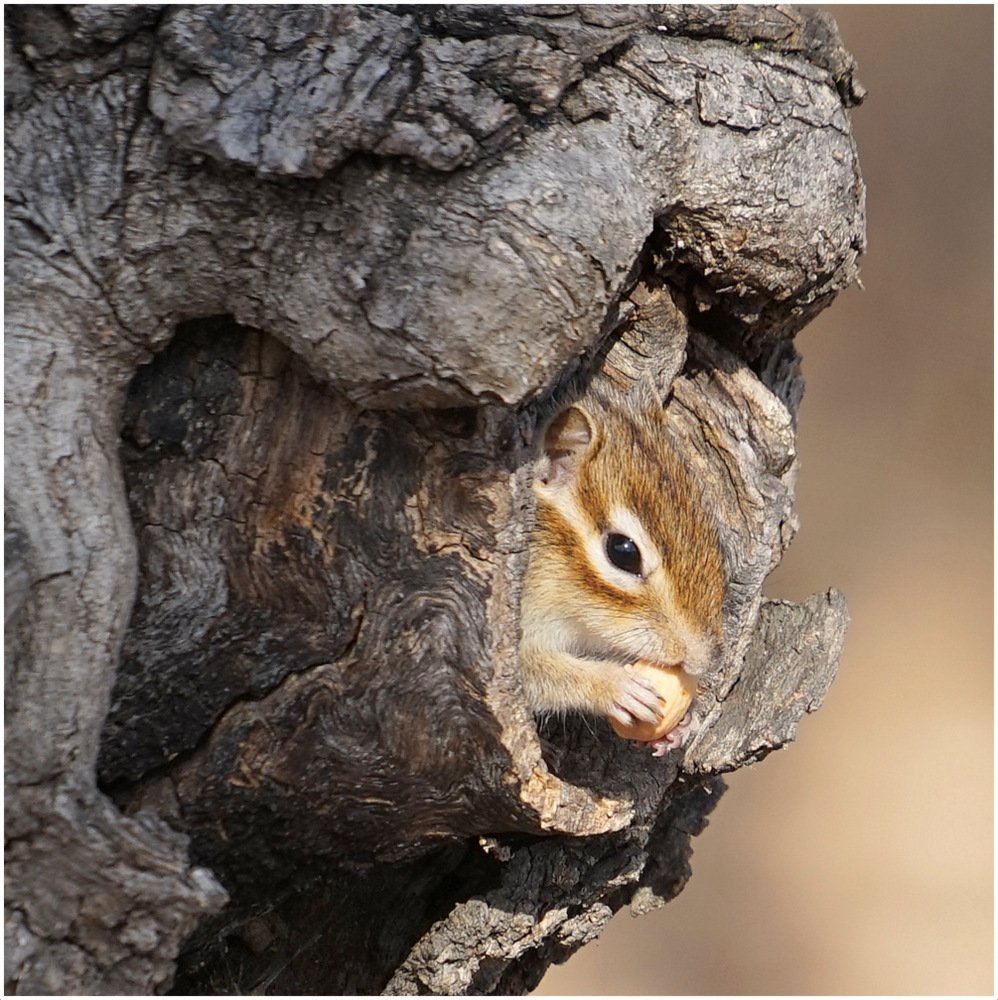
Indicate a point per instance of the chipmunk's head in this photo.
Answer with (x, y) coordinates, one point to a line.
(625, 564)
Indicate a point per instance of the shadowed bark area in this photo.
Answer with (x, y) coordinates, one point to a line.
(290, 290)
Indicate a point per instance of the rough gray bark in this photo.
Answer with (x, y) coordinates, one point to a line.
(288, 291)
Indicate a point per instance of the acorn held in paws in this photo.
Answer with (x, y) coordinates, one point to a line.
(676, 689)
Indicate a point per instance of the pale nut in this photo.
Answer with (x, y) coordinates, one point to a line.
(675, 687)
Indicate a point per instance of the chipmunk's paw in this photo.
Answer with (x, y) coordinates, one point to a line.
(635, 699)
(675, 690)
(675, 738)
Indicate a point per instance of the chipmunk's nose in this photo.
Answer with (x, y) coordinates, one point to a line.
(700, 652)
(673, 649)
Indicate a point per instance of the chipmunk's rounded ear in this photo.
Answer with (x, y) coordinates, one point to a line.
(566, 440)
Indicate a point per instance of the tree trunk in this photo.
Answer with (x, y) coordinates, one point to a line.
(289, 291)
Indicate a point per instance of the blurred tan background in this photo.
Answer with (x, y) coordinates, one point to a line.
(859, 860)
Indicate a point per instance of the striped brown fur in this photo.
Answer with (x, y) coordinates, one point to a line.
(608, 467)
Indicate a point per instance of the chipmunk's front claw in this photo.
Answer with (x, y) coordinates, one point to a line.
(674, 690)
(674, 739)
(636, 701)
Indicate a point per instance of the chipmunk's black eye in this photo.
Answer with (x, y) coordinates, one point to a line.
(623, 553)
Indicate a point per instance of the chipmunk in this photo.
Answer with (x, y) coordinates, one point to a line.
(621, 605)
